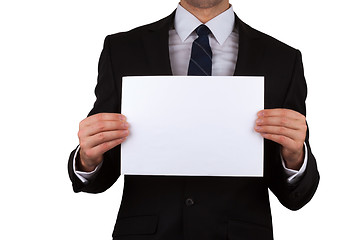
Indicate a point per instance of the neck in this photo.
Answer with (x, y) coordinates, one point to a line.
(205, 10)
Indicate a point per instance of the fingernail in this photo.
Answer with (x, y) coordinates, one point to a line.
(122, 117)
(257, 128)
(126, 125)
(259, 121)
(260, 114)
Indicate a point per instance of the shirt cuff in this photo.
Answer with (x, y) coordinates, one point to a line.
(84, 176)
(294, 175)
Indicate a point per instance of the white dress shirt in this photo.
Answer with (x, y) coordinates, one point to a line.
(224, 40)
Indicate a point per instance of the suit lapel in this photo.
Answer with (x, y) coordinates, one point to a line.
(156, 44)
(250, 51)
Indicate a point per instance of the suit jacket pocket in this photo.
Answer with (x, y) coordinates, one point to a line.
(248, 231)
(139, 225)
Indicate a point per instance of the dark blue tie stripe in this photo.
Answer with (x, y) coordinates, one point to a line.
(201, 55)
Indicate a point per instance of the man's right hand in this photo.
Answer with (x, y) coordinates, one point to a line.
(98, 134)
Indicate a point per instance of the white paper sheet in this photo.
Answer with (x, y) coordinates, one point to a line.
(195, 126)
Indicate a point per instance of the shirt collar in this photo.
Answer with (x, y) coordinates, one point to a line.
(221, 26)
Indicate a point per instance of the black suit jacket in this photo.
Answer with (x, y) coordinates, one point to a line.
(172, 207)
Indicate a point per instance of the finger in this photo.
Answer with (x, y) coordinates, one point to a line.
(105, 126)
(284, 141)
(281, 131)
(103, 137)
(280, 112)
(296, 124)
(104, 147)
(102, 126)
(102, 117)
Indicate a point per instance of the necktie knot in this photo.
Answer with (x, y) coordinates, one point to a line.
(202, 30)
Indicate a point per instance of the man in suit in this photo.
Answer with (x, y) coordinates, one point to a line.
(173, 207)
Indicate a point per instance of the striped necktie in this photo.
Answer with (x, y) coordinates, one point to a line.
(201, 55)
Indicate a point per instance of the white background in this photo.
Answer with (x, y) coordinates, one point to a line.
(48, 65)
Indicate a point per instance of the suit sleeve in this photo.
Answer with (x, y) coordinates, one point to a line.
(296, 196)
(107, 100)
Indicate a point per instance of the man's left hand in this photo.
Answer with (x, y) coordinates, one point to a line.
(288, 128)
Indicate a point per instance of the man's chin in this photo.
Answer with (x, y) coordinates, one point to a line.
(203, 3)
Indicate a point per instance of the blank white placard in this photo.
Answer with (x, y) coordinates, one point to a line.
(193, 126)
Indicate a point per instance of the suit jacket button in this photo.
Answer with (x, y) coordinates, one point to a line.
(189, 202)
